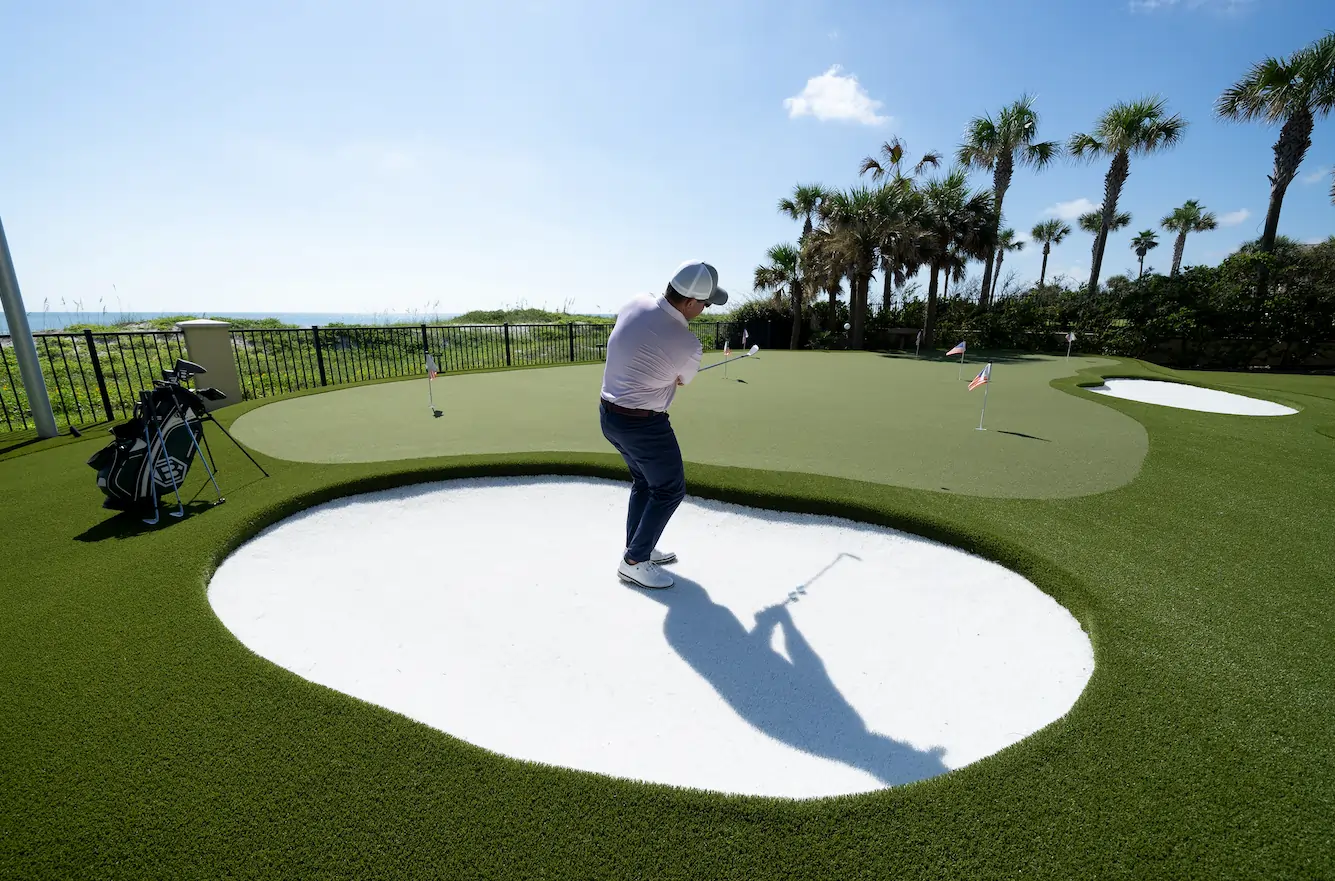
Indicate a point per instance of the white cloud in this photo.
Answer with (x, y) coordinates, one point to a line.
(1315, 241)
(1317, 175)
(1233, 218)
(834, 35)
(1070, 210)
(834, 97)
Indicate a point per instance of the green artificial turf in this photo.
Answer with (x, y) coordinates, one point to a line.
(861, 416)
(140, 739)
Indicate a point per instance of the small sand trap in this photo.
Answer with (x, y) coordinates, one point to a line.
(1189, 397)
(796, 656)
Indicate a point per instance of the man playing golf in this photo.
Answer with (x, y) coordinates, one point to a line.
(650, 352)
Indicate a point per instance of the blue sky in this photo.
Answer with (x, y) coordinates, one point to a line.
(365, 157)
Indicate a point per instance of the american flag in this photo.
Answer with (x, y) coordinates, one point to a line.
(1070, 337)
(431, 369)
(983, 376)
(727, 349)
(958, 350)
(744, 335)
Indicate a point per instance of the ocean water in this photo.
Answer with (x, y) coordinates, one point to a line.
(42, 321)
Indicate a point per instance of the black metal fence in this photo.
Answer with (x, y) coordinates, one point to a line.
(93, 377)
(273, 362)
(90, 376)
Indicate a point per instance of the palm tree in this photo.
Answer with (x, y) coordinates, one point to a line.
(1137, 128)
(1093, 222)
(891, 163)
(1188, 218)
(854, 221)
(997, 146)
(1050, 232)
(783, 277)
(824, 270)
(804, 205)
(1006, 241)
(955, 222)
(1294, 90)
(1146, 241)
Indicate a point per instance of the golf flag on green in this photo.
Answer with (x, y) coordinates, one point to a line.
(983, 378)
(431, 369)
(958, 350)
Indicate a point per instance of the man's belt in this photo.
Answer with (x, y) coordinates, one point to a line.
(627, 411)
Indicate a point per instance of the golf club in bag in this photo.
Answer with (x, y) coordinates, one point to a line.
(152, 452)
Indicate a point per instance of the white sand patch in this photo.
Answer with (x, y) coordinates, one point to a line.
(1189, 397)
(796, 656)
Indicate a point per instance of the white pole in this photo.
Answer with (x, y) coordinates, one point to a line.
(984, 413)
(25, 348)
(1068, 345)
(959, 374)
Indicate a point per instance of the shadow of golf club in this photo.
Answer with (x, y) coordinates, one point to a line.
(794, 702)
(1022, 434)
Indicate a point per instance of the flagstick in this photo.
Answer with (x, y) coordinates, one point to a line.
(984, 413)
(959, 374)
(1068, 347)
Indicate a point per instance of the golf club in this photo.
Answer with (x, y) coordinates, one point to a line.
(753, 350)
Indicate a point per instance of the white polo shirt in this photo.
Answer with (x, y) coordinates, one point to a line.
(651, 345)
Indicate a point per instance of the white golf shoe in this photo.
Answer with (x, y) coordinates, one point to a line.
(662, 558)
(644, 574)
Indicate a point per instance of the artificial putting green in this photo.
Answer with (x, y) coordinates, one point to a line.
(861, 416)
(140, 739)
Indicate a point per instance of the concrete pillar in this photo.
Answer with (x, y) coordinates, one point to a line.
(209, 344)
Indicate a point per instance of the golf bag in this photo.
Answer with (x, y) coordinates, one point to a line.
(153, 452)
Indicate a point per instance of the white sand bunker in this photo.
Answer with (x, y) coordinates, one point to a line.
(1189, 397)
(796, 656)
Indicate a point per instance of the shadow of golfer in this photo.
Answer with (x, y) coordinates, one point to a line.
(795, 702)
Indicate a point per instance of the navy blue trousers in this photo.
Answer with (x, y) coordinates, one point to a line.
(658, 478)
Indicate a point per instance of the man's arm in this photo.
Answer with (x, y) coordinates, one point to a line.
(691, 365)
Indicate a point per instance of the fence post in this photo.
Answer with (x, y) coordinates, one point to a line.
(426, 346)
(717, 325)
(319, 353)
(97, 372)
(507, 344)
(572, 342)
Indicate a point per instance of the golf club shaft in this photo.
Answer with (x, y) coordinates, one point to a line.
(729, 361)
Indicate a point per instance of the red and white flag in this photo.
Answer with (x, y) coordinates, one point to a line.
(958, 350)
(727, 350)
(983, 376)
(744, 335)
(431, 369)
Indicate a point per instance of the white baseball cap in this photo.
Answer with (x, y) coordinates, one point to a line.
(699, 281)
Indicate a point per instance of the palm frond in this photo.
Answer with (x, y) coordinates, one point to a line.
(1040, 156)
(933, 159)
(1084, 146)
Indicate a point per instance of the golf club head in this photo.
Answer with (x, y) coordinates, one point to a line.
(754, 349)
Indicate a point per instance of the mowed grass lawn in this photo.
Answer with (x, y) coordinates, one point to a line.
(140, 739)
(859, 416)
